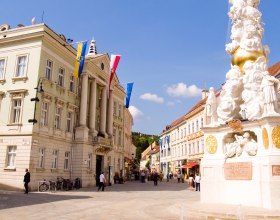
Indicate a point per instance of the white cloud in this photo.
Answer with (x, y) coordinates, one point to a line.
(135, 112)
(183, 90)
(152, 98)
(170, 104)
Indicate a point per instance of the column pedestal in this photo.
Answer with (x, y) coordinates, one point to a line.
(81, 134)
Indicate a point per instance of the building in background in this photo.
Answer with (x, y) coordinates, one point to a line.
(64, 127)
(129, 147)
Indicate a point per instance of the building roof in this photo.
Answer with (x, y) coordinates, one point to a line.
(274, 69)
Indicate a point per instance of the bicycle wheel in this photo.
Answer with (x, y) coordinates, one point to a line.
(53, 187)
(43, 187)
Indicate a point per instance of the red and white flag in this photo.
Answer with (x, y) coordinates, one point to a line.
(113, 66)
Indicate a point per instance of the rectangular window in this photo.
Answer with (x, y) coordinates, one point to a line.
(115, 108)
(114, 135)
(44, 114)
(11, 156)
(120, 138)
(67, 160)
(72, 83)
(41, 160)
(201, 122)
(89, 162)
(69, 122)
(49, 68)
(57, 122)
(55, 159)
(2, 68)
(61, 73)
(16, 111)
(202, 145)
(193, 127)
(197, 125)
(21, 66)
(120, 110)
(189, 129)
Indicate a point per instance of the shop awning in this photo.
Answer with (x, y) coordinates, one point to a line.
(189, 165)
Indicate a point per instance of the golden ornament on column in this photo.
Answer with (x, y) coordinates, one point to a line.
(265, 138)
(211, 144)
(276, 136)
(240, 56)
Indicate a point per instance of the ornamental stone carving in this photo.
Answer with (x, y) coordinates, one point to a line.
(211, 144)
(265, 138)
(276, 136)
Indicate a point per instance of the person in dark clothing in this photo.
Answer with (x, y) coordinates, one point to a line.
(26, 180)
(155, 178)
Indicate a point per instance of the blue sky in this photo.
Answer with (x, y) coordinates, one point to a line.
(169, 49)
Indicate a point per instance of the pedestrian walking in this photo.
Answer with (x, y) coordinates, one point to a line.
(155, 178)
(102, 181)
(178, 177)
(191, 182)
(26, 180)
(197, 182)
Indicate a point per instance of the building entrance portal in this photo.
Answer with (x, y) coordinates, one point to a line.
(99, 160)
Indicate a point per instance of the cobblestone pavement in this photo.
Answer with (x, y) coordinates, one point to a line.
(131, 200)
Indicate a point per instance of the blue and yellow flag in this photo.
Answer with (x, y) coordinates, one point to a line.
(80, 59)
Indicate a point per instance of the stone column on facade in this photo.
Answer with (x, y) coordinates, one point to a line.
(82, 131)
(92, 107)
(110, 115)
(102, 129)
(83, 103)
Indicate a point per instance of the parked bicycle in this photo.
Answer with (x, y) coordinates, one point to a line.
(64, 184)
(45, 186)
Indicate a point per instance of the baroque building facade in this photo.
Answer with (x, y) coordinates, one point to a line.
(68, 127)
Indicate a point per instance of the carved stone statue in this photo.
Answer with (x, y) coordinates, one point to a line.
(230, 97)
(241, 143)
(244, 82)
(211, 108)
(269, 87)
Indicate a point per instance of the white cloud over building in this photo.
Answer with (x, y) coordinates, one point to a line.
(182, 90)
(152, 98)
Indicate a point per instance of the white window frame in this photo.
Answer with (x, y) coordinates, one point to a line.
(16, 110)
(21, 67)
(11, 156)
(49, 69)
(2, 68)
(89, 161)
(55, 159)
(57, 118)
(41, 158)
(44, 114)
(69, 121)
(67, 160)
(72, 83)
(61, 75)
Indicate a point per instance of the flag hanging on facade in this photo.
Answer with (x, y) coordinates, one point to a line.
(129, 87)
(113, 66)
(80, 59)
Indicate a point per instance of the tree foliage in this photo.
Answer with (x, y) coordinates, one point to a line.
(142, 141)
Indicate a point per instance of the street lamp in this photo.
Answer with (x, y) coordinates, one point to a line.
(39, 89)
